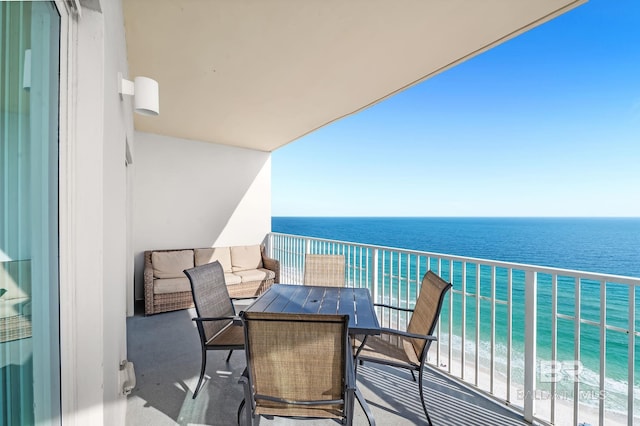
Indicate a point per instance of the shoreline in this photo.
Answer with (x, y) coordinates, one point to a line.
(542, 409)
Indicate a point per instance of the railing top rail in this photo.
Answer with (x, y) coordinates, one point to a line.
(617, 279)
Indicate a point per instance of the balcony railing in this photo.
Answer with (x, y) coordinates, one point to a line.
(560, 346)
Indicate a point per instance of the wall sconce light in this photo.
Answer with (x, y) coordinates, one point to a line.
(146, 100)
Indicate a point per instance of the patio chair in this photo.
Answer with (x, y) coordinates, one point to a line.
(298, 365)
(324, 270)
(215, 313)
(408, 349)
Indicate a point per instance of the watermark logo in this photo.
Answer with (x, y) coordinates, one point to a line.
(559, 371)
(565, 395)
(556, 372)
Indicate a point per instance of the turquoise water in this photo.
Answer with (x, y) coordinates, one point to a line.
(610, 246)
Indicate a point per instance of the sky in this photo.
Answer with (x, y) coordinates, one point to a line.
(546, 124)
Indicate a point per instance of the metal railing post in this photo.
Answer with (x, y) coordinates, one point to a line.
(631, 355)
(374, 276)
(530, 299)
(463, 333)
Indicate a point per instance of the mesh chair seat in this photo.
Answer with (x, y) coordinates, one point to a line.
(231, 335)
(388, 348)
(270, 408)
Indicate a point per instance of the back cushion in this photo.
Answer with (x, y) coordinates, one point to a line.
(210, 255)
(246, 257)
(170, 264)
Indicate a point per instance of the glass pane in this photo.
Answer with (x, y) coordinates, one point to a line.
(29, 303)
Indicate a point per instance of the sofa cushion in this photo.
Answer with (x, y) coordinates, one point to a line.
(210, 255)
(15, 279)
(171, 285)
(230, 279)
(13, 307)
(171, 264)
(255, 275)
(246, 257)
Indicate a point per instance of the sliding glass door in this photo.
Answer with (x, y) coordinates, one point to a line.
(29, 302)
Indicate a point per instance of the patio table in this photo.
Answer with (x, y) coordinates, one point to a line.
(305, 299)
(301, 299)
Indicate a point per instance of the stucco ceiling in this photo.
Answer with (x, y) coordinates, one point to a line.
(261, 73)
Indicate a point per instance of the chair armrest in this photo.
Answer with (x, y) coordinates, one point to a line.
(203, 319)
(272, 264)
(351, 371)
(236, 319)
(407, 334)
(148, 284)
(382, 305)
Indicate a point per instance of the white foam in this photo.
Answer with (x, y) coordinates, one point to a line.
(615, 396)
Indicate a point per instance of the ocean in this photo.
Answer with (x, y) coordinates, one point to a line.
(601, 245)
(604, 245)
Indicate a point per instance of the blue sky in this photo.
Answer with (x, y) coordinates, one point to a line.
(546, 124)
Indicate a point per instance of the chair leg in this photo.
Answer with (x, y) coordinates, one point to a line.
(229, 356)
(202, 370)
(349, 406)
(424, 404)
(413, 375)
(365, 407)
(249, 419)
(240, 410)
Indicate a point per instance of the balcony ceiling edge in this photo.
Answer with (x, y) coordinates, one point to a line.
(259, 75)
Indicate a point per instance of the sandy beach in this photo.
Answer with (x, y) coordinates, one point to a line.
(588, 405)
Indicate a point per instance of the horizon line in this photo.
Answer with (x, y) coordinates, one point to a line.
(455, 217)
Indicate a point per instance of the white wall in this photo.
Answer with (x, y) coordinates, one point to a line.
(196, 194)
(93, 242)
(185, 194)
(118, 125)
(81, 227)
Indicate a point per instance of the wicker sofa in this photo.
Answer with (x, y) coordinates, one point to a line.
(15, 301)
(247, 270)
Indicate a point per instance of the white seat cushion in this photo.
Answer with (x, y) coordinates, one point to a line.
(171, 285)
(13, 307)
(255, 275)
(231, 279)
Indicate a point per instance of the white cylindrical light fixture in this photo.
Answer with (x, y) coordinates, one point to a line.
(146, 100)
(145, 92)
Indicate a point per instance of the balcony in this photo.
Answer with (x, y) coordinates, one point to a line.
(166, 352)
(530, 338)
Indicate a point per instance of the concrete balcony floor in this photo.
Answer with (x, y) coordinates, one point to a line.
(166, 352)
